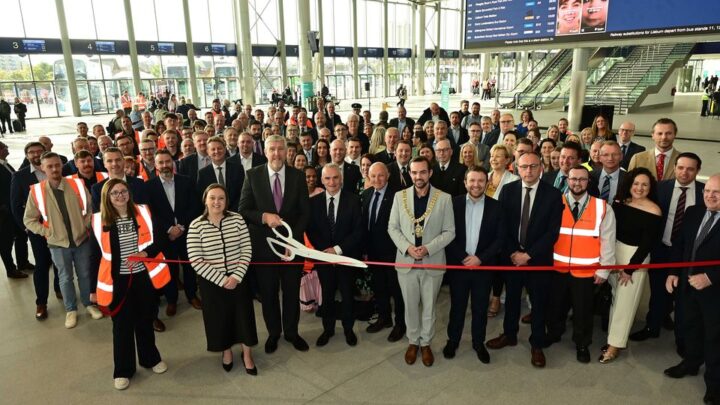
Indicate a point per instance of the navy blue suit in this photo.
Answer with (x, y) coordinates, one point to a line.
(542, 233)
(19, 191)
(465, 284)
(234, 176)
(164, 216)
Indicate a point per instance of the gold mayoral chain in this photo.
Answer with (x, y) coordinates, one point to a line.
(418, 221)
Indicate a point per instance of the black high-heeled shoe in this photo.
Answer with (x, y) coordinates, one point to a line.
(251, 371)
(226, 367)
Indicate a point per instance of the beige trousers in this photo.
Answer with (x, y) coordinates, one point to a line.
(626, 298)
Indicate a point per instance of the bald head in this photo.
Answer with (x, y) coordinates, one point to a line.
(378, 174)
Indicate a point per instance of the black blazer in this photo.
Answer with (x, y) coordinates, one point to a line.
(595, 184)
(492, 138)
(351, 178)
(664, 192)
(334, 120)
(257, 159)
(234, 177)
(394, 175)
(708, 249)
(632, 149)
(25, 163)
(384, 156)
(5, 180)
(186, 208)
(348, 224)
(464, 137)
(19, 190)
(593, 188)
(256, 198)
(137, 188)
(492, 233)
(378, 245)
(189, 167)
(451, 180)
(70, 167)
(427, 116)
(544, 226)
(409, 122)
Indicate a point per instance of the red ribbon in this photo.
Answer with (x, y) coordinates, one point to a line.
(459, 267)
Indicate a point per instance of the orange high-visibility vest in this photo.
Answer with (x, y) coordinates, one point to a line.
(579, 242)
(142, 173)
(140, 102)
(37, 190)
(99, 176)
(126, 102)
(159, 272)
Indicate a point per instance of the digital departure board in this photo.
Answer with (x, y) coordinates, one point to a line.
(500, 23)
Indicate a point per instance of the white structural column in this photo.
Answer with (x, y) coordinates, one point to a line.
(485, 59)
(386, 75)
(437, 46)
(578, 83)
(190, 53)
(413, 49)
(133, 47)
(462, 41)
(523, 66)
(281, 44)
(420, 58)
(356, 74)
(67, 57)
(244, 50)
(305, 60)
(321, 46)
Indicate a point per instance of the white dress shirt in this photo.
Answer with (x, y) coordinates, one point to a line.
(474, 211)
(271, 175)
(336, 202)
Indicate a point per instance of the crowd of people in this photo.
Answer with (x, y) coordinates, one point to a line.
(187, 203)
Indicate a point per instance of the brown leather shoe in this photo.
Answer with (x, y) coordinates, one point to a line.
(427, 356)
(537, 358)
(41, 312)
(196, 303)
(171, 310)
(411, 354)
(527, 318)
(158, 325)
(500, 342)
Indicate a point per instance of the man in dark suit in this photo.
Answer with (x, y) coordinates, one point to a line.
(434, 113)
(447, 174)
(458, 134)
(392, 136)
(376, 203)
(331, 117)
(698, 289)
(479, 237)
(173, 209)
(19, 190)
(272, 193)
(402, 120)
(351, 173)
(226, 172)
(190, 166)
(627, 146)
(113, 161)
(399, 170)
(489, 135)
(248, 158)
(604, 182)
(70, 167)
(336, 227)
(48, 145)
(569, 158)
(11, 234)
(534, 213)
(673, 205)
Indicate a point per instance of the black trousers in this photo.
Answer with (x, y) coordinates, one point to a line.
(568, 291)
(43, 261)
(8, 238)
(5, 119)
(497, 284)
(333, 278)
(661, 302)
(539, 283)
(464, 285)
(134, 324)
(270, 280)
(21, 118)
(386, 287)
(177, 250)
(701, 326)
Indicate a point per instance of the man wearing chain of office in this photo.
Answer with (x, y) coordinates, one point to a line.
(421, 225)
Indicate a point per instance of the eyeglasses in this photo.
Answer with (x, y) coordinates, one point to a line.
(506, 122)
(442, 150)
(120, 193)
(531, 167)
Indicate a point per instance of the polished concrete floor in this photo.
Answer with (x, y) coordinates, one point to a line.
(42, 362)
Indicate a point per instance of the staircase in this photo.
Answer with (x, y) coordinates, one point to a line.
(627, 83)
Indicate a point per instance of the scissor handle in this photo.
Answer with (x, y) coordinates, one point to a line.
(272, 242)
(287, 228)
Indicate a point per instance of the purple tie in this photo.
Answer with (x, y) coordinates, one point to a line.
(277, 193)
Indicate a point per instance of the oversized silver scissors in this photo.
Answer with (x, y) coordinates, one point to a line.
(296, 248)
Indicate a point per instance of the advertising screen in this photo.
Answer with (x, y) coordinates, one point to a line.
(500, 23)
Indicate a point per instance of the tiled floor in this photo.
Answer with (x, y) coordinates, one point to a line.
(42, 362)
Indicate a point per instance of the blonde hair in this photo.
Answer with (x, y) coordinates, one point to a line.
(476, 158)
(377, 140)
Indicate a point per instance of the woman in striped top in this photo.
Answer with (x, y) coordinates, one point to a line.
(219, 248)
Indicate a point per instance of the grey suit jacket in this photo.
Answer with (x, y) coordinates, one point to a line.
(439, 229)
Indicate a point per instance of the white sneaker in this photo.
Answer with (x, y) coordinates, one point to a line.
(94, 312)
(122, 383)
(160, 367)
(71, 319)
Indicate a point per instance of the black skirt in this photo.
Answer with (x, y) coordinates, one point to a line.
(228, 315)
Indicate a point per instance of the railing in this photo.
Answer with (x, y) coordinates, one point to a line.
(534, 73)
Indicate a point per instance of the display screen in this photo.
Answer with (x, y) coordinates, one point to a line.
(34, 45)
(498, 23)
(217, 49)
(105, 46)
(166, 47)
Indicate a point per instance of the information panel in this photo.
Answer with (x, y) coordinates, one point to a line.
(499, 23)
